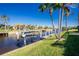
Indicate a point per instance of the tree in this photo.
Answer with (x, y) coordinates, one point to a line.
(67, 14)
(52, 7)
(77, 6)
(74, 5)
(49, 7)
(40, 27)
(4, 19)
(62, 7)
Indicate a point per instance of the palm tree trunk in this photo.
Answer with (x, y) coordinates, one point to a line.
(62, 14)
(52, 22)
(59, 23)
(53, 26)
(66, 23)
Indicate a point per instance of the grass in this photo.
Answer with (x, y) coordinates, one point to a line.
(72, 45)
(46, 47)
(42, 48)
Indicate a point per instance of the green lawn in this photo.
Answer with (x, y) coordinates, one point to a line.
(46, 47)
(72, 45)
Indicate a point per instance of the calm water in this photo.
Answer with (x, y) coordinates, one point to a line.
(7, 44)
(10, 43)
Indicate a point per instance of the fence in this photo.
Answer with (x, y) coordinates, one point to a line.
(31, 39)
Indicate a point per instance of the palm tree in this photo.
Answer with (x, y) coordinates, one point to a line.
(50, 12)
(49, 7)
(63, 7)
(77, 6)
(67, 14)
(5, 19)
(74, 5)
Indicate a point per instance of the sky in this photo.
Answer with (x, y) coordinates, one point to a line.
(28, 13)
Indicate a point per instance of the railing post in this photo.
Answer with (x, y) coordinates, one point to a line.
(24, 40)
(40, 35)
(45, 33)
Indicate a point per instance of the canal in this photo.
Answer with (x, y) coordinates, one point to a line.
(10, 42)
(7, 43)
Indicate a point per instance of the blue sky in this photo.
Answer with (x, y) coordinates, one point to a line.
(29, 14)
